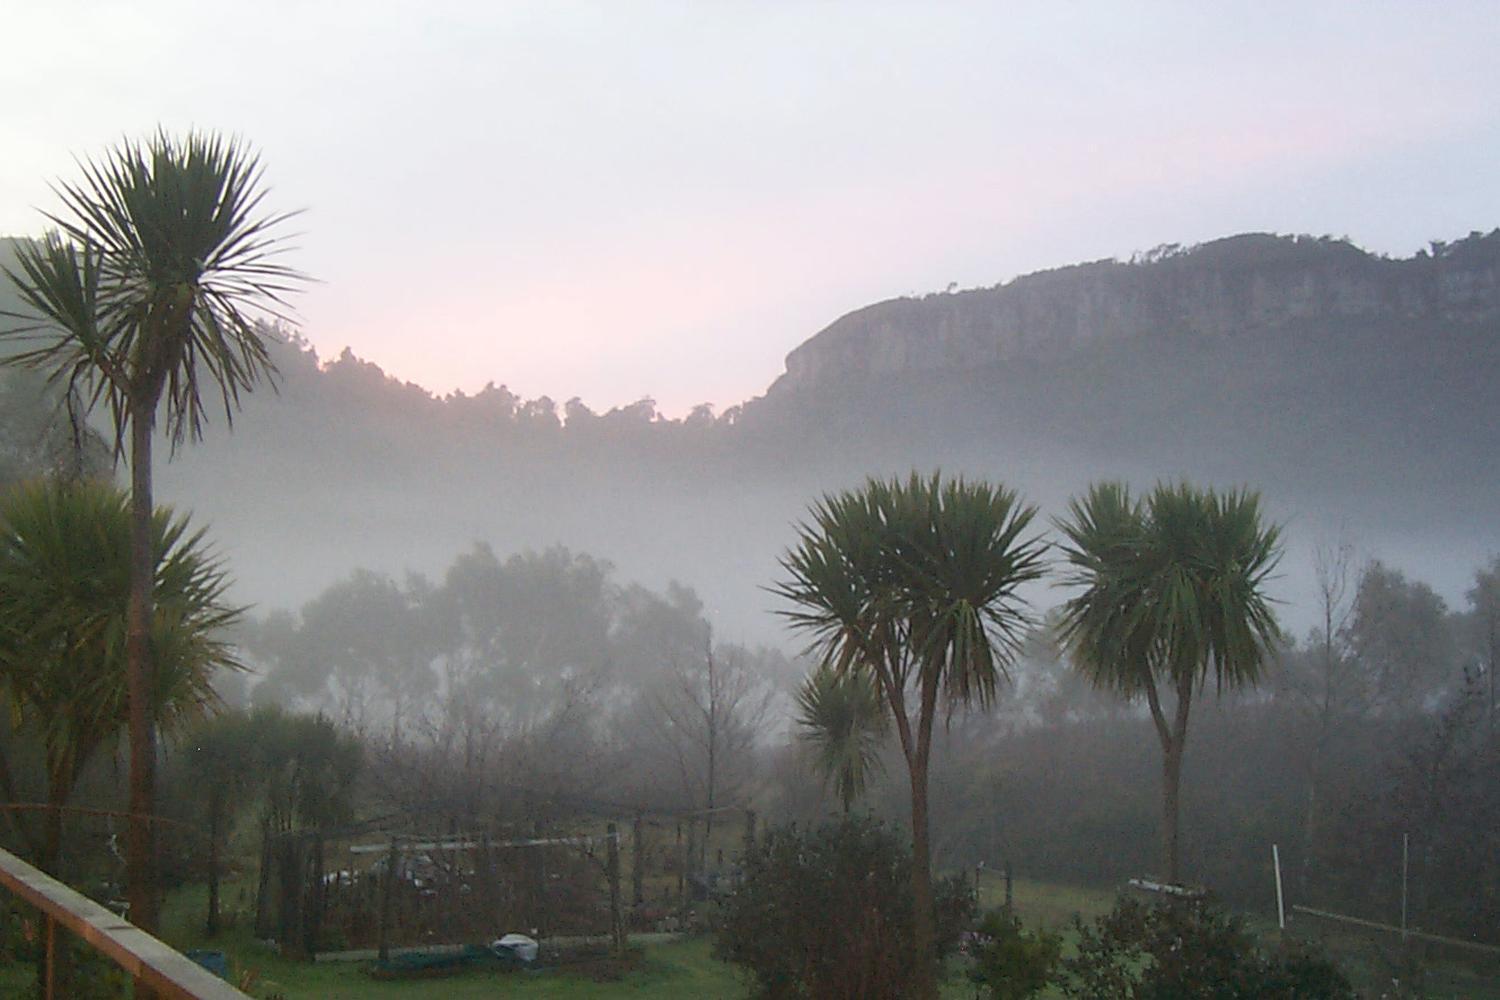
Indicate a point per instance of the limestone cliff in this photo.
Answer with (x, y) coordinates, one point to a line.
(1216, 290)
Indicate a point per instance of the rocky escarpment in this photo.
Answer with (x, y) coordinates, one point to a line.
(1215, 290)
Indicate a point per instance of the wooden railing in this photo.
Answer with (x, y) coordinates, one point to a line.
(171, 974)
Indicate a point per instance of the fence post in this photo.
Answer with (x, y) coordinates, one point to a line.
(387, 886)
(486, 868)
(616, 918)
(263, 916)
(313, 918)
(293, 880)
(543, 906)
(689, 865)
(681, 877)
(637, 864)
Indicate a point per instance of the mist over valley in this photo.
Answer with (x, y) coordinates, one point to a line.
(1350, 389)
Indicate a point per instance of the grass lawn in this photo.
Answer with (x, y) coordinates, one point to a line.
(682, 969)
(1044, 904)
(670, 969)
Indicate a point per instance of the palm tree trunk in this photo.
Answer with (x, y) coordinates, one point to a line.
(1171, 783)
(1173, 748)
(140, 855)
(924, 931)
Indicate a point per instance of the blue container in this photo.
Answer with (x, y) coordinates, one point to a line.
(214, 961)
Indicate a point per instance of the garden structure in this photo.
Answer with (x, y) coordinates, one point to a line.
(414, 881)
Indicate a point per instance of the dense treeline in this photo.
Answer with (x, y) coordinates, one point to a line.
(537, 672)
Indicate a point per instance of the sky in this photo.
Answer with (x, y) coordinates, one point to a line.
(621, 200)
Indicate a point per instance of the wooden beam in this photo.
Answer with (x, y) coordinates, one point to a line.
(170, 973)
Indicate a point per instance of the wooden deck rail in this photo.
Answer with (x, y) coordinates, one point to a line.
(170, 973)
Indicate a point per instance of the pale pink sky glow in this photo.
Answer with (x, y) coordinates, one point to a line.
(615, 200)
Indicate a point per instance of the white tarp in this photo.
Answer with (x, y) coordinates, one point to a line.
(519, 945)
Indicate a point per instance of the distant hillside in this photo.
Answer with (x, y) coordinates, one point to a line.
(1225, 289)
(1330, 377)
(1347, 387)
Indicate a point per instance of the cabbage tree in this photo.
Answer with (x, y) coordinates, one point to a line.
(1171, 591)
(138, 300)
(916, 584)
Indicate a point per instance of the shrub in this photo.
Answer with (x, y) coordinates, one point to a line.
(1184, 950)
(1009, 963)
(826, 913)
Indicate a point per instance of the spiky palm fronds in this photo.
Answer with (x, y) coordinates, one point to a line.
(842, 721)
(1172, 586)
(917, 575)
(64, 580)
(140, 293)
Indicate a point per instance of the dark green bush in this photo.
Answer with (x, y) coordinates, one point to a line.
(1009, 963)
(826, 913)
(1186, 950)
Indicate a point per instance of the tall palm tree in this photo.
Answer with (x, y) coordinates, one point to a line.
(1171, 592)
(842, 720)
(138, 300)
(64, 583)
(915, 584)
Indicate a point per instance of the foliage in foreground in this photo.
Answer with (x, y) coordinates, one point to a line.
(825, 913)
(1185, 950)
(65, 565)
(1009, 963)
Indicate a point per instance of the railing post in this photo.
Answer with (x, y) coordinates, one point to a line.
(50, 986)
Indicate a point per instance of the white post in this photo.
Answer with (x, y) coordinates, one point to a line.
(1280, 902)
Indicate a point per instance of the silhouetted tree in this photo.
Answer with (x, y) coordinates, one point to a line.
(915, 584)
(1172, 591)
